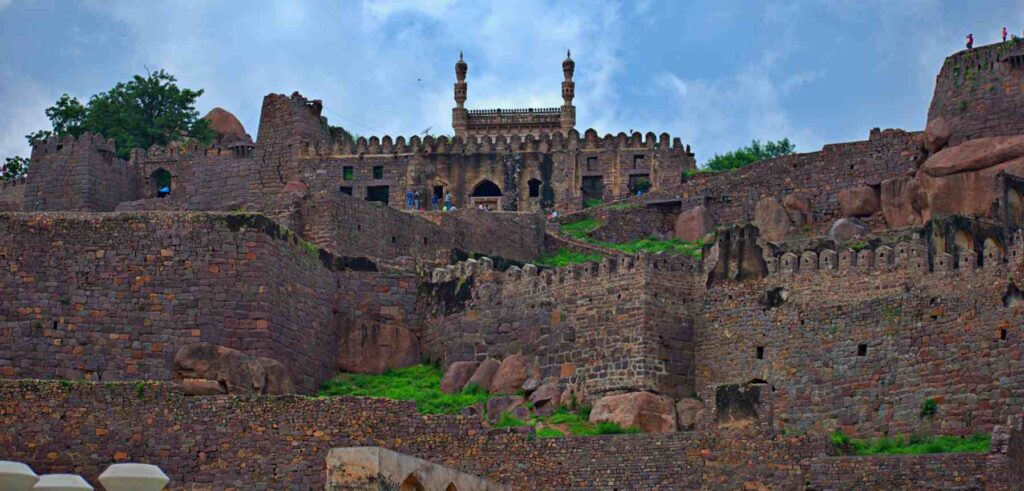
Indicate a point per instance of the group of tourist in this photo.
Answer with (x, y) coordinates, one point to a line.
(970, 38)
(412, 201)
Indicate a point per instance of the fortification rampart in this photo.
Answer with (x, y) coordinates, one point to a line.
(78, 174)
(978, 92)
(12, 194)
(859, 340)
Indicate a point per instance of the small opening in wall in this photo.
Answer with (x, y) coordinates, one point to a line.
(851, 167)
(393, 239)
(1002, 333)
(55, 326)
(862, 350)
(760, 352)
(424, 241)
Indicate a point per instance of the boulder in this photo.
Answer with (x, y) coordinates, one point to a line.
(846, 229)
(798, 208)
(376, 348)
(227, 127)
(689, 412)
(510, 375)
(694, 224)
(902, 201)
(235, 371)
(546, 399)
(496, 406)
(936, 135)
(651, 413)
(474, 411)
(484, 374)
(772, 220)
(974, 155)
(456, 376)
(202, 387)
(961, 179)
(859, 201)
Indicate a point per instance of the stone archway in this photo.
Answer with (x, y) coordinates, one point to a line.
(160, 182)
(487, 194)
(412, 483)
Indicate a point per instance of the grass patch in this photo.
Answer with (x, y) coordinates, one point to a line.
(623, 206)
(581, 229)
(913, 445)
(549, 433)
(508, 421)
(565, 257)
(578, 425)
(592, 202)
(419, 383)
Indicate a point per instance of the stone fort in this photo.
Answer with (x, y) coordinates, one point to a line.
(843, 289)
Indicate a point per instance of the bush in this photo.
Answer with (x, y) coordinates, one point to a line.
(419, 383)
(749, 154)
(928, 408)
(565, 257)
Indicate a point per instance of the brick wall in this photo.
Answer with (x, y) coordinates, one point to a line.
(979, 94)
(78, 174)
(248, 442)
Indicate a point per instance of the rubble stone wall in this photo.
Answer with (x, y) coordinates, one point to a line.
(78, 174)
(12, 194)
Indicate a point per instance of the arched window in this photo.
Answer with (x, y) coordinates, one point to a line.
(486, 189)
(160, 180)
(451, 487)
(534, 187)
(963, 241)
(411, 483)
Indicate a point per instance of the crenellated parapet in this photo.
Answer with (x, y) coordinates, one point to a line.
(553, 142)
(190, 151)
(68, 145)
(13, 183)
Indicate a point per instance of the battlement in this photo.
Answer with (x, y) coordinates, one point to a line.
(13, 183)
(531, 110)
(550, 142)
(190, 151)
(68, 145)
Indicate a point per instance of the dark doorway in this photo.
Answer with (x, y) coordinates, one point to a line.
(161, 181)
(377, 193)
(534, 187)
(439, 193)
(486, 195)
(593, 187)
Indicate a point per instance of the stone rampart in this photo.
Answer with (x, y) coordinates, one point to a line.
(12, 194)
(78, 174)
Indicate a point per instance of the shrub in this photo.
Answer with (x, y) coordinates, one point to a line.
(507, 420)
(749, 154)
(929, 407)
(419, 383)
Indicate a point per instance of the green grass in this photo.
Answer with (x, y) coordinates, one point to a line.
(419, 383)
(578, 424)
(565, 257)
(581, 229)
(592, 202)
(622, 206)
(914, 445)
(508, 421)
(549, 433)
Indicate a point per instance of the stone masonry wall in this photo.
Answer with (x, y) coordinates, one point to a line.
(276, 442)
(597, 326)
(979, 92)
(78, 174)
(112, 297)
(859, 340)
(12, 194)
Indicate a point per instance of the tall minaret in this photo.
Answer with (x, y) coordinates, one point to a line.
(459, 116)
(568, 115)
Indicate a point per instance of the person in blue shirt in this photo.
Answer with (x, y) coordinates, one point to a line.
(434, 202)
(408, 199)
(163, 191)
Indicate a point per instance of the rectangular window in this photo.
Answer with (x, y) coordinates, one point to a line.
(591, 163)
(760, 352)
(377, 193)
(378, 172)
(862, 350)
(345, 190)
(638, 160)
(347, 173)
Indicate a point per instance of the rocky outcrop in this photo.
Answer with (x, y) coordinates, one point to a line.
(546, 399)
(772, 220)
(694, 224)
(846, 229)
(936, 135)
(798, 208)
(902, 201)
(510, 375)
(226, 126)
(649, 412)
(205, 369)
(859, 201)
(689, 412)
(456, 376)
(377, 349)
(513, 405)
(961, 179)
(484, 374)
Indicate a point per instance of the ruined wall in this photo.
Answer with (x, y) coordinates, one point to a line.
(113, 297)
(979, 92)
(290, 120)
(599, 326)
(859, 340)
(631, 221)
(276, 442)
(78, 174)
(12, 194)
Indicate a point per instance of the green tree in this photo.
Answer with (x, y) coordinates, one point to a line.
(13, 167)
(139, 113)
(749, 154)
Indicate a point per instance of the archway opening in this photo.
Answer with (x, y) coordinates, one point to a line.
(160, 179)
(963, 241)
(534, 187)
(411, 483)
(486, 195)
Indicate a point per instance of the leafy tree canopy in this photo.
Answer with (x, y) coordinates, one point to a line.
(13, 167)
(137, 114)
(751, 153)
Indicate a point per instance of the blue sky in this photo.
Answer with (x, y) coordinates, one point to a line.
(717, 74)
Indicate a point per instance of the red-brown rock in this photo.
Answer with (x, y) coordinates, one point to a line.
(902, 201)
(227, 127)
(202, 387)
(375, 348)
(689, 413)
(651, 413)
(278, 381)
(846, 229)
(456, 376)
(510, 375)
(961, 179)
(798, 208)
(484, 374)
(859, 201)
(936, 135)
(496, 406)
(694, 224)
(546, 398)
(237, 372)
(772, 220)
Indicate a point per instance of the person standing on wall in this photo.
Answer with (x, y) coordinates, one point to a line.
(970, 41)
(433, 201)
(1004, 34)
(448, 200)
(416, 200)
(408, 199)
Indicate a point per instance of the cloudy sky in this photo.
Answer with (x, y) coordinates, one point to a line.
(716, 73)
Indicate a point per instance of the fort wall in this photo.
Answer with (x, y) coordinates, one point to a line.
(979, 92)
(12, 194)
(78, 174)
(858, 340)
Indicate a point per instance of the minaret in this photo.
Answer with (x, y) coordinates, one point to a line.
(459, 114)
(568, 116)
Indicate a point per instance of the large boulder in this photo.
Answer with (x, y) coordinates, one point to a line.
(496, 406)
(772, 220)
(859, 201)
(846, 229)
(689, 412)
(936, 135)
(375, 348)
(456, 376)
(510, 375)
(798, 208)
(694, 224)
(484, 374)
(651, 413)
(961, 179)
(546, 398)
(203, 364)
(227, 127)
(902, 201)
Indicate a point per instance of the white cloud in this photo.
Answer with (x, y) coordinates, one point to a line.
(25, 103)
